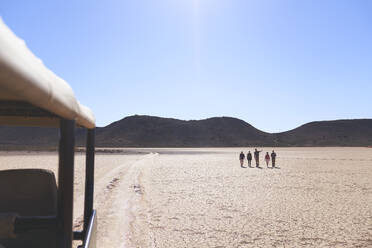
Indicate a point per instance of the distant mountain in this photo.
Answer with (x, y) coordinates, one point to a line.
(150, 131)
(328, 133)
(27, 137)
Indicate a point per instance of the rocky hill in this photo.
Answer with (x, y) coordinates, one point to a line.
(150, 131)
(329, 133)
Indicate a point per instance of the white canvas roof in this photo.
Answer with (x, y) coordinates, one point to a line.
(23, 77)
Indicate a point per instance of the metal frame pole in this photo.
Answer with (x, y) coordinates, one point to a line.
(65, 183)
(89, 178)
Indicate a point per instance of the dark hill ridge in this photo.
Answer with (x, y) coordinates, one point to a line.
(150, 131)
(356, 132)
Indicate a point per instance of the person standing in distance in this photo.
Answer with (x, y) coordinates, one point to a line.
(249, 158)
(273, 157)
(267, 159)
(241, 158)
(257, 157)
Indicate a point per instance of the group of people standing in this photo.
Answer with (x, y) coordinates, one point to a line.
(257, 158)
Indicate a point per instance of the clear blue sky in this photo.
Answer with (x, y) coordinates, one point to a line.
(275, 64)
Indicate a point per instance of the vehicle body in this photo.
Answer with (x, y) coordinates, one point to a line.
(34, 211)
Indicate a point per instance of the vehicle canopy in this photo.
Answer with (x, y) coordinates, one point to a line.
(24, 78)
(34, 212)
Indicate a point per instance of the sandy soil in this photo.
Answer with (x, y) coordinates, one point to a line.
(319, 197)
(109, 200)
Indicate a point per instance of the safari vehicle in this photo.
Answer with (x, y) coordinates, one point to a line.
(34, 210)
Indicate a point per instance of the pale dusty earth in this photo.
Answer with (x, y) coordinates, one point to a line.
(318, 197)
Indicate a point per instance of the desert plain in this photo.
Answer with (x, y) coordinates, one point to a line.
(201, 197)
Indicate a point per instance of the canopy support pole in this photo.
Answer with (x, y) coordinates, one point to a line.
(89, 178)
(65, 183)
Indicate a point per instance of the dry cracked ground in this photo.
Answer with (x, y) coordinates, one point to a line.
(318, 197)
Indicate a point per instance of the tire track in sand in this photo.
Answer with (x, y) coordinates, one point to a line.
(115, 197)
(118, 206)
(137, 232)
